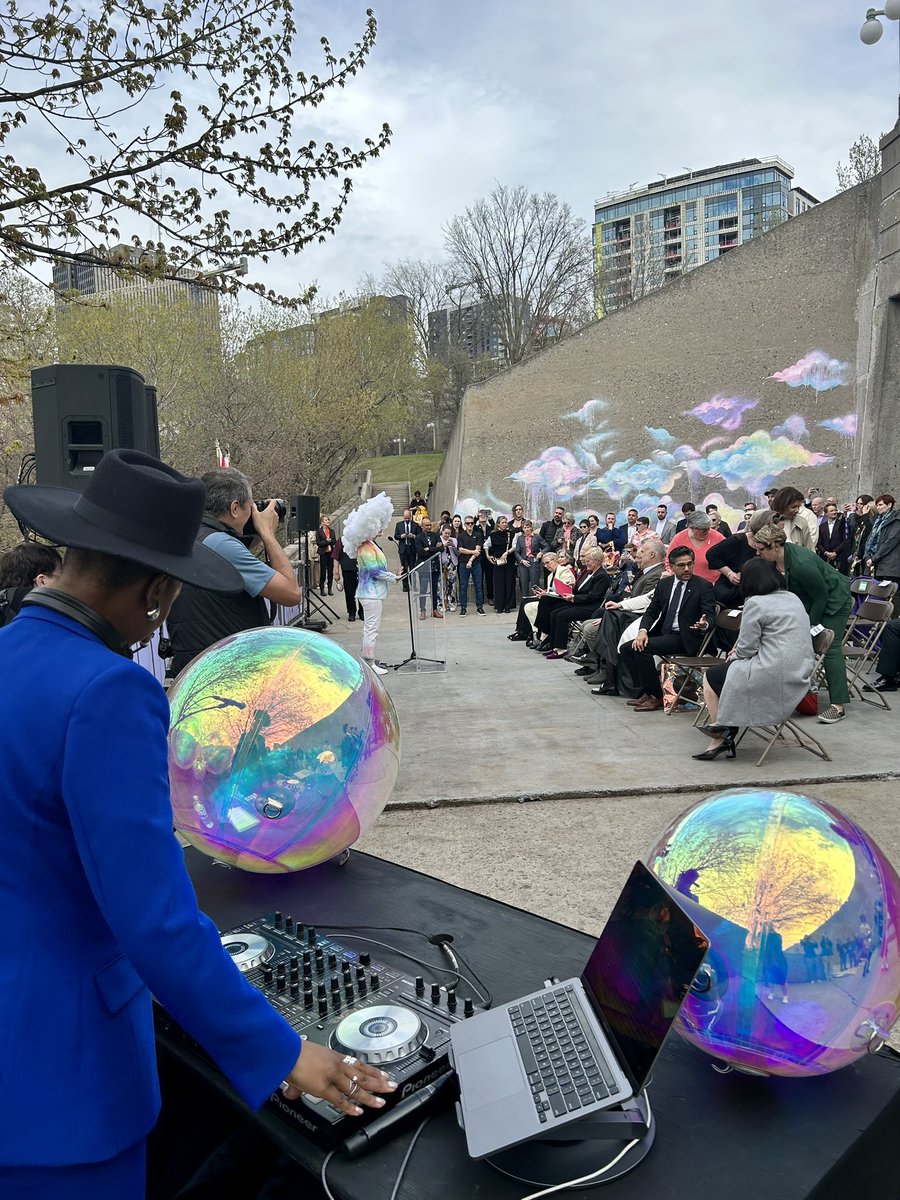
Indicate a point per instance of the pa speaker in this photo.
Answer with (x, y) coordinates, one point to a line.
(304, 514)
(80, 412)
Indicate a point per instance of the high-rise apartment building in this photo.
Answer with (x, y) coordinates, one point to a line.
(643, 237)
(471, 325)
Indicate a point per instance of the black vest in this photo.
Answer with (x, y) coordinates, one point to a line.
(199, 617)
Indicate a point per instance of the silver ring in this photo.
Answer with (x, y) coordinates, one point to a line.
(349, 1060)
(354, 1086)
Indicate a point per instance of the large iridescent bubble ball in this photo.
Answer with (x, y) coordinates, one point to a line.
(800, 907)
(283, 749)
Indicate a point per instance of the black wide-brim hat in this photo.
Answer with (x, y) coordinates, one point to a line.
(133, 507)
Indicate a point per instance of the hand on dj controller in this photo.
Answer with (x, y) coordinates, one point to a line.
(342, 1080)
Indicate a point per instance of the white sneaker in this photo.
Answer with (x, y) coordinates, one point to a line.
(378, 670)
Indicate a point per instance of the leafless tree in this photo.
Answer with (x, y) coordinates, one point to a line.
(864, 162)
(425, 286)
(530, 259)
(219, 96)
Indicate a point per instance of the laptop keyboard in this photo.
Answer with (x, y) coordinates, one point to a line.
(566, 1068)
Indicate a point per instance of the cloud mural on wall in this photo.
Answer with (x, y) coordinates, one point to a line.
(594, 440)
(627, 477)
(662, 437)
(589, 414)
(815, 370)
(725, 411)
(556, 475)
(794, 428)
(845, 426)
(754, 462)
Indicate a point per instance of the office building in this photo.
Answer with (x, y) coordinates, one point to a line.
(645, 236)
(471, 325)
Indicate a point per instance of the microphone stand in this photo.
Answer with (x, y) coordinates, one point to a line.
(412, 629)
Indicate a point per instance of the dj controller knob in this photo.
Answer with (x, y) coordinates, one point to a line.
(276, 921)
(281, 984)
(348, 992)
(320, 992)
(268, 975)
(362, 988)
(294, 961)
(299, 928)
(295, 975)
(435, 993)
(335, 988)
(288, 924)
(468, 1007)
(365, 958)
(345, 971)
(420, 986)
(280, 970)
(307, 997)
(376, 982)
(451, 1001)
(360, 974)
(323, 1008)
(320, 960)
(332, 961)
(295, 990)
(307, 961)
(311, 935)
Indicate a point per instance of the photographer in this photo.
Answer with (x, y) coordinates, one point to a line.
(199, 618)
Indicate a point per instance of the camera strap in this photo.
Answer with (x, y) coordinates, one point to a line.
(75, 610)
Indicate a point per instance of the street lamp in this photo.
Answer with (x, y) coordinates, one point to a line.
(430, 426)
(399, 444)
(872, 28)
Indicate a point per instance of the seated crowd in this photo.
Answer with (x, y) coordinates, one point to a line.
(650, 588)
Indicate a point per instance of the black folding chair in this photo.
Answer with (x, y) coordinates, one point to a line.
(861, 643)
(727, 619)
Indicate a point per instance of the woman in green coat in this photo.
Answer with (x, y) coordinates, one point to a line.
(824, 593)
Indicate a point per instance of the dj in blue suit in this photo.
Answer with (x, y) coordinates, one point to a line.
(98, 910)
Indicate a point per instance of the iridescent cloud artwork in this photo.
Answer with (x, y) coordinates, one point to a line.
(725, 411)
(816, 370)
(662, 437)
(845, 426)
(794, 428)
(556, 475)
(589, 414)
(755, 462)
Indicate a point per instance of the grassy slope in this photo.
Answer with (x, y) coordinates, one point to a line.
(419, 469)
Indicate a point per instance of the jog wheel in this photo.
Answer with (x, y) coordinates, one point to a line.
(382, 1033)
(248, 950)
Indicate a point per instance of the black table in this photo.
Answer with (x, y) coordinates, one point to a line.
(717, 1135)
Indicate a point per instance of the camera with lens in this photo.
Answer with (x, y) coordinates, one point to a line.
(280, 508)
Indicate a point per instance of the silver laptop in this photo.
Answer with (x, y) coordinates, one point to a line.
(533, 1066)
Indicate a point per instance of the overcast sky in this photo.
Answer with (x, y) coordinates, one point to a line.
(581, 97)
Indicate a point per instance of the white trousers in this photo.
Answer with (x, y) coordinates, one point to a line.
(371, 621)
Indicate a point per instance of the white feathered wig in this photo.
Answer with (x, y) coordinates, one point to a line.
(365, 522)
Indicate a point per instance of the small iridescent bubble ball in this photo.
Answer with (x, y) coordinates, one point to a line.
(800, 906)
(283, 749)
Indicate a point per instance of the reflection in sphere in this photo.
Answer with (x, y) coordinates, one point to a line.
(800, 907)
(283, 749)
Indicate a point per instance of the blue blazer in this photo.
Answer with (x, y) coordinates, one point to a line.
(98, 909)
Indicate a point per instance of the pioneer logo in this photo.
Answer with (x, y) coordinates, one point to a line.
(289, 1110)
(411, 1088)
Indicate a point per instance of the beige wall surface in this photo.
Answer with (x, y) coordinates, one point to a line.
(731, 379)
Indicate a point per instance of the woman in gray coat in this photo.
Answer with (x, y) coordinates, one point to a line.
(767, 674)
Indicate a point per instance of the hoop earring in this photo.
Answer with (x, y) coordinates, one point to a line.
(153, 614)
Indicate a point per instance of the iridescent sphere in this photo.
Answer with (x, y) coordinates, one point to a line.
(283, 749)
(800, 907)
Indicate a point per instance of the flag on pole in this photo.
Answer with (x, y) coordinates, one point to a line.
(223, 458)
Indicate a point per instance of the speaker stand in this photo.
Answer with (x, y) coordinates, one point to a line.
(552, 1159)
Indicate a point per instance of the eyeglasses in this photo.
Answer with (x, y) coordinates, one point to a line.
(468, 522)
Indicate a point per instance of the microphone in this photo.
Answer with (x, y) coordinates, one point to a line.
(390, 539)
(407, 1112)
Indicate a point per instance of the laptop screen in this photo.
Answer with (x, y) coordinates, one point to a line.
(641, 969)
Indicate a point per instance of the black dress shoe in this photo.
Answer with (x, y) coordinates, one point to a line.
(607, 689)
(727, 748)
(515, 637)
(586, 670)
(351, 616)
(883, 684)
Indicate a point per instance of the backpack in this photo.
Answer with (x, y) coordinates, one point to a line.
(6, 611)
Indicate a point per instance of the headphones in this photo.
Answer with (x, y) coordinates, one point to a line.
(75, 610)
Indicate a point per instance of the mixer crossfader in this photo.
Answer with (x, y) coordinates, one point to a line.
(349, 1000)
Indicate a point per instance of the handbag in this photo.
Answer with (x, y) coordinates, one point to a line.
(809, 705)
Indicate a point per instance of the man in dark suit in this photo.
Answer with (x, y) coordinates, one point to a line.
(428, 551)
(686, 510)
(834, 542)
(405, 533)
(682, 610)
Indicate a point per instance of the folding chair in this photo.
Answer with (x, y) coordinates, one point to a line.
(860, 645)
(771, 734)
(729, 619)
(865, 587)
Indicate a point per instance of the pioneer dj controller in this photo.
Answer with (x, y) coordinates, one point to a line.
(349, 1000)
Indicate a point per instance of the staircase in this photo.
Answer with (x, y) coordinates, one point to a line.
(399, 496)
